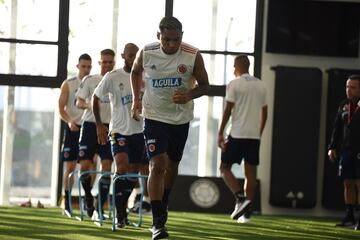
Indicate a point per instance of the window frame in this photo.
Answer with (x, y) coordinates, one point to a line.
(62, 44)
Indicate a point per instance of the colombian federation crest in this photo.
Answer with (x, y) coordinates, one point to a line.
(182, 69)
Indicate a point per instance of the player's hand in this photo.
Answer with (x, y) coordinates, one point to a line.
(221, 142)
(73, 126)
(332, 154)
(181, 96)
(102, 133)
(136, 110)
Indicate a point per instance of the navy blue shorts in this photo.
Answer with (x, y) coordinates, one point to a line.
(88, 144)
(70, 147)
(165, 138)
(238, 149)
(349, 165)
(133, 145)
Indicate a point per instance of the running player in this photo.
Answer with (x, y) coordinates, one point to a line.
(170, 69)
(88, 145)
(71, 115)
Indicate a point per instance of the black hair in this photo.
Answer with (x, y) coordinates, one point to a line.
(85, 56)
(355, 77)
(170, 23)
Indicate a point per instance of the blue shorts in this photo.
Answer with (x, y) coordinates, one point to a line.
(133, 145)
(165, 138)
(70, 147)
(238, 149)
(349, 165)
(89, 146)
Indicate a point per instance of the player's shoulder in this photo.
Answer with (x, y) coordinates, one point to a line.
(152, 46)
(71, 79)
(185, 47)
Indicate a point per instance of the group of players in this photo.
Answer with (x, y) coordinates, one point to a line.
(139, 114)
(84, 104)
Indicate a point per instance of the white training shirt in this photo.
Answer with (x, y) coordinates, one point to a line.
(72, 110)
(117, 84)
(248, 94)
(86, 90)
(163, 74)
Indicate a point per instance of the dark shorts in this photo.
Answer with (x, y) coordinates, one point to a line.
(349, 165)
(88, 145)
(238, 149)
(165, 138)
(70, 147)
(133, 145)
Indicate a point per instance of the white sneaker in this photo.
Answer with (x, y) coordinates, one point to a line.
(243, 219)
(240, 209)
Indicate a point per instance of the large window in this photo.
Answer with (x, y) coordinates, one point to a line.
(220, 27)
(33, 40)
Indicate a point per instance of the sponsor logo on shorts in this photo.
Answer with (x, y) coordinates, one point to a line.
(151, 147)
(66, 154)
(81, 153)
(121, 142)
(150, 141)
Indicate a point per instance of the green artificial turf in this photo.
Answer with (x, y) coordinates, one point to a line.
(49, 223)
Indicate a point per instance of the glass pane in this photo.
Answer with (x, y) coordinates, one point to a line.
(43, 59)
(32, 147)
(143, 31)
(90, 24)
(236, 23)
(2, 89)
(35, 20)
(196, 24)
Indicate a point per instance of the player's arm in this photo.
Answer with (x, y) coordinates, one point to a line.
(226, 116)
(63, 99)
(136, 85)
(81, 103)
(101, 130)
(263, 118)
(335, 136)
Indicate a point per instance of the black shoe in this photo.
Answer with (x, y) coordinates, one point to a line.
(159, 233)
(348, 221)
(241, 208)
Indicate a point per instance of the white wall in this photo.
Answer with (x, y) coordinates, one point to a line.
(270, 60)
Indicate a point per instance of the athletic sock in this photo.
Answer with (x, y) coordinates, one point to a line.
(86, 183)
(349, 210)
(157, 210)
(66, 199)
(165, 199)
(239, 197)
(104, 190)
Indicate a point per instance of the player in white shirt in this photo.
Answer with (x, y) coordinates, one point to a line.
(126, 134)
(88, 144)
(247, 106)
(170, 69)
(71, 115)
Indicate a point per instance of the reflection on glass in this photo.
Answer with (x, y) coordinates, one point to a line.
(234, 20)
(90, 24)
(32, 146)
(197, 25)
(36, 20)
(138, 30)
(30, 59)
